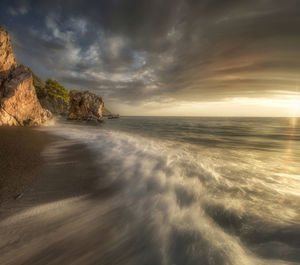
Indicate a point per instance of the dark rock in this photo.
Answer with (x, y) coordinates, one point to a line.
(85, 106)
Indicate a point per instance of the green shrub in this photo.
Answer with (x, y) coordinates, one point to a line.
(56, 90)
(51, 89)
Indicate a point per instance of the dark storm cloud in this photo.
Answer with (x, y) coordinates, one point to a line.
(138, 50)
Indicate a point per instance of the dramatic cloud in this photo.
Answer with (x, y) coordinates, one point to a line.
(141, 51)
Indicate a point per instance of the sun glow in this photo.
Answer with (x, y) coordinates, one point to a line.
(285, 106)
(295, 108)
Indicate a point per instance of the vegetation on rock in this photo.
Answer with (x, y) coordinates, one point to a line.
(51, 88)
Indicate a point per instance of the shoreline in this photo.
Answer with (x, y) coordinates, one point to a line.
(107, 202)
(60, 215)
(60, 168)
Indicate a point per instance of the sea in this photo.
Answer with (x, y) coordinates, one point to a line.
(190, 191)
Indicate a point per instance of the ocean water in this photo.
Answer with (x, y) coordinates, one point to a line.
(190, 191)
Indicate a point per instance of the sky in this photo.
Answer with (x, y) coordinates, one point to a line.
(166, 57)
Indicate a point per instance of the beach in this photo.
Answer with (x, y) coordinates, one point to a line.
(145, 190)
(39, 168)
(60, 173)
(20, 159)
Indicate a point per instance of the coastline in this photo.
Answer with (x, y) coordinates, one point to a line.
(65, 215)
(110, 197)
(47, 168)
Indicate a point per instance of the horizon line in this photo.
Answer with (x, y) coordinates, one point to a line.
(183, 116)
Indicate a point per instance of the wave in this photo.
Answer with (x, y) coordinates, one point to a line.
(181, 205)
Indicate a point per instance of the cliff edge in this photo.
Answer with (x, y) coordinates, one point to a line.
(18, 100)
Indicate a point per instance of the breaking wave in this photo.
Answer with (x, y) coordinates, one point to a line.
(178, 203)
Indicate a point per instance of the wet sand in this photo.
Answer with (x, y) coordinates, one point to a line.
(65, 216)
(44, 168)
(20, 159)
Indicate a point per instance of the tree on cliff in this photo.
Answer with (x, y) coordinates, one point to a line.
(51, 88)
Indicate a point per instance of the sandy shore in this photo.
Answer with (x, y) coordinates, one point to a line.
(64, 215)
(20, 159)
(39, 168)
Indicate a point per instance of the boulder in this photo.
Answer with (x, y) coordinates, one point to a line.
(18, 100)
(85, 105)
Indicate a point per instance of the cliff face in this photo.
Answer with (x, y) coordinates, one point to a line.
(85, 106)
(54, 105)
(7, 57)
(18, 101)
(19, 104)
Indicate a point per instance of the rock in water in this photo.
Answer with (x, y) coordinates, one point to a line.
(18, 101)
(85, 106)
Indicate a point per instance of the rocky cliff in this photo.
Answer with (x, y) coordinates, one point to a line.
(54, 105)
(18, 100)
(85, 105)
(7, 58)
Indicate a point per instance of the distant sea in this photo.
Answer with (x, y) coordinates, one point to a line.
(192, 190)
